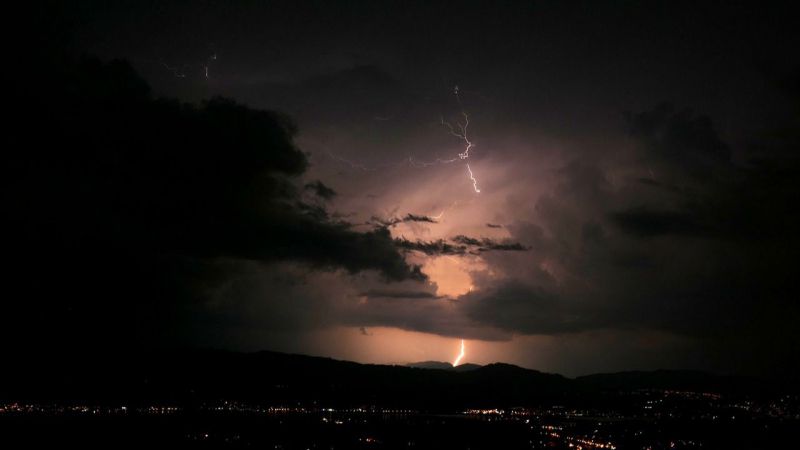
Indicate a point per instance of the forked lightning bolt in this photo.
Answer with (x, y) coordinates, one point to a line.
(184, 70)
(459, 130)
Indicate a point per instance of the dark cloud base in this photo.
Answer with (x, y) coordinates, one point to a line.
(118, 205)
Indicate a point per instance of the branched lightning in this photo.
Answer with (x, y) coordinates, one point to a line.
(458, 130)
(184, 70)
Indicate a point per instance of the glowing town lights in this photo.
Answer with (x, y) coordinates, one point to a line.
(460, 355)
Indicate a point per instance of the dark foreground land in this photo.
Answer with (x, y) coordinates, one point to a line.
(276, 401)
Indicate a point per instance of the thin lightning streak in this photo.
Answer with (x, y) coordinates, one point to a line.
(208, 64)
(474, 181)
(413, 162)
(460, 355)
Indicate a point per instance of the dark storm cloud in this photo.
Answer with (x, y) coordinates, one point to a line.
(321, 190)
(437, 247)
(399, 294)
(680, 137)
(121, 199)
(694, 256)
(422, 313)
(398, 220)
(729, 201)
(351, 97)
(418, 218)
(520, 308)
(361, 77)
(486, 244)
(335, 245)
(462, 245)
(644, 222)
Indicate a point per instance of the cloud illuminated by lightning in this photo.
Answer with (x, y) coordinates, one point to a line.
(460, 355)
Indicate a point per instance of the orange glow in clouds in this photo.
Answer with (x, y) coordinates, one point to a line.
(451, 275)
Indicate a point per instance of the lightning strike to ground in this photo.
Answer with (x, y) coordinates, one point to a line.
(460, 355)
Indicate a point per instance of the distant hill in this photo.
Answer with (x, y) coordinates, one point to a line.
(441, 365)
(431, 365)
(466, 367)
(686, 380)
(193, 377)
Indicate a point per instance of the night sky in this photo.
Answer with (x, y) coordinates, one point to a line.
(294, 176)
